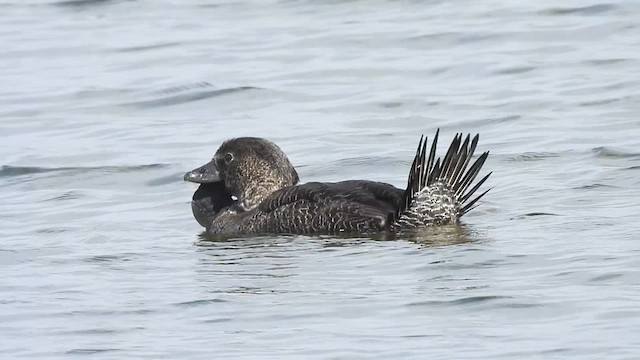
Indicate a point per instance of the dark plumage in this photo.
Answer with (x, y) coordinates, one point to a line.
(208, 201)
(250, 187)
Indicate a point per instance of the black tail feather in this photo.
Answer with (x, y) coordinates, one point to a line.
(455, 158)
(435, 172)
(423, 179)
(452, 170)
(461, 186)
(453, 150)
(470, 193)
(470, 206)
(432, 152)
(411, 182)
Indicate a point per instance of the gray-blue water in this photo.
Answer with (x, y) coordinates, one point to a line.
(105, 104)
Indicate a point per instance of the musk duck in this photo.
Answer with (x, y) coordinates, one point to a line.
(250, 187)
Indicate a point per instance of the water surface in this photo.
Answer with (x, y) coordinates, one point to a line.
(105, 104)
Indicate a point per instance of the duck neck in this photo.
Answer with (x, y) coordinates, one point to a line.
(252, 196)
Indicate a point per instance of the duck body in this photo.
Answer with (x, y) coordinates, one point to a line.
(316, 208)
(244, 191)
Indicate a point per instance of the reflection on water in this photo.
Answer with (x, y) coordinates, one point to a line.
(445, 235)
(431, 236)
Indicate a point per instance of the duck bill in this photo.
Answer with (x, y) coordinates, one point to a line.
(205, 174)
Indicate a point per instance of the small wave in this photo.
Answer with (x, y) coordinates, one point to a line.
(182, 88)
(82, 3)
(461, 301)
(147, 47)
(100, 313)
(110, 258)
(532, 214)
(477, 37)
(12, 171)
(69, 195)
(483, 121)
(216, 320)
(604, 152)
(391, 104)
(599, 102)
(96, 331)
(605, 277)
(89, 351)
(532, 156)
(600, 62)
(585, 10)
(593, 186)
(515, 70)
(176, 95)
(199, 302)
(502, 119)
(51, 231)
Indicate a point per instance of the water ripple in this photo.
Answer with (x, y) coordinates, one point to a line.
(471, 300)
(134, 49)
(201, 302)
(88, 351)
(532, 156)
(83, 3)
(13, 171)
(604, 152)
(585, 10)
(178, 97)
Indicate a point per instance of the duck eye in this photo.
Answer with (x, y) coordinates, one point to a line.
(228, 157)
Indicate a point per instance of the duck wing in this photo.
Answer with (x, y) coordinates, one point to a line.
(370, 193)
(347, 206)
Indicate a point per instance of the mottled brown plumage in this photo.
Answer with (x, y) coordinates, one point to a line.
(250, 187)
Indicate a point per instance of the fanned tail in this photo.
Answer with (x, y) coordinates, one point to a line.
(439, 191)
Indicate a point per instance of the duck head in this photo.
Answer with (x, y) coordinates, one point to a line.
(250, 168)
